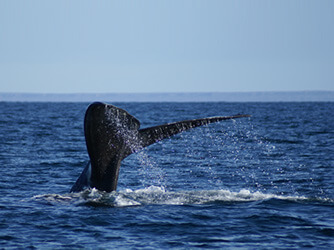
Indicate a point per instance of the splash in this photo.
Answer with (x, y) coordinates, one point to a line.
(155, 195)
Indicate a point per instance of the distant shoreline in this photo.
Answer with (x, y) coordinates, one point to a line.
(275, 96)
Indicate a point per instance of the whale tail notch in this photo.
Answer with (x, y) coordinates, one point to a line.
(112, 134)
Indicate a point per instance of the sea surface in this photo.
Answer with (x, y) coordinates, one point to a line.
(264, 182)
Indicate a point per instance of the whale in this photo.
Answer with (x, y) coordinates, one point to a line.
(112, 134)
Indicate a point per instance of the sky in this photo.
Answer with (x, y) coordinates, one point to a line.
(166, 46)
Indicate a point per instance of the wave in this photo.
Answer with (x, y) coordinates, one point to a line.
(155, 195)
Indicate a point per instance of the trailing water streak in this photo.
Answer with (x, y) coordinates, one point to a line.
(155, 195)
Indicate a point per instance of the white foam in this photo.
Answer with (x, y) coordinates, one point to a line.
(158, 195)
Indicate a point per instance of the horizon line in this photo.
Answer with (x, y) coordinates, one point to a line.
(163, 92)
(259, 96)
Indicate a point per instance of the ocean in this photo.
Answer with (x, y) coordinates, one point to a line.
(264, 182)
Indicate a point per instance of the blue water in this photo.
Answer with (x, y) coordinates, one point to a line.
(260, 182)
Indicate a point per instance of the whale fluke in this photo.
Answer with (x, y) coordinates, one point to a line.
(112, 134)
(152, 135)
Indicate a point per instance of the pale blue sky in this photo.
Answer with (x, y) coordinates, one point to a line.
(166, 46)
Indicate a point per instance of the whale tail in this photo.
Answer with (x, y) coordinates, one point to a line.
(112, 134)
